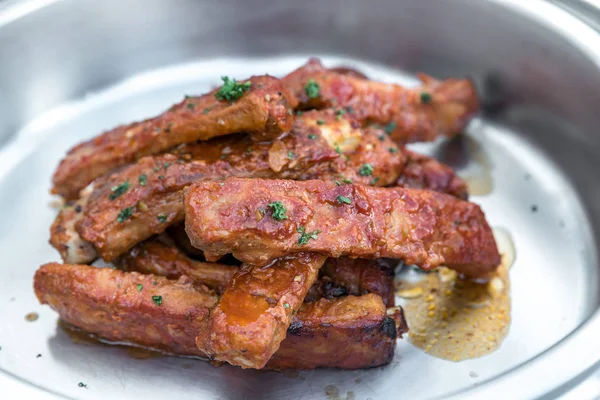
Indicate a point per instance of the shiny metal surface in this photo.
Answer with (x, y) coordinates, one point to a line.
(70, 69)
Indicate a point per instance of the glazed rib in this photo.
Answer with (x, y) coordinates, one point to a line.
(437, 108)
(256, 309)
(422, 172)
(351, 333)
(420, 227)
(263, 110)
(308, 152)
(159, 256)
(360, 276)
(338, 277)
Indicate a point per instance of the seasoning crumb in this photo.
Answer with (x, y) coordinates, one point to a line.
(534, 208)
(32, 316)
(38, 356)
(82, 385)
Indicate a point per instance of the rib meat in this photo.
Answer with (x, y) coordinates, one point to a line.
(264, 110)
(419, 114)
(256, 309)
(306, 153)
(159, 256)
(350, 333)
(338, 277)
(420, 227)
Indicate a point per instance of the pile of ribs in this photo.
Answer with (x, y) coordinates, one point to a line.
(260, 224)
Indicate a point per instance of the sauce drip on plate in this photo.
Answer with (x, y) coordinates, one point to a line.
(458, 319)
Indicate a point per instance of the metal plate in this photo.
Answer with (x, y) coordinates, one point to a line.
(537, 138)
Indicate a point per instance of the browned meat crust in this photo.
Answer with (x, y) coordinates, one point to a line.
(422, 172)
(304, 154)
(251, 319)
(420, 114)
(348, 333)
(264, 110)
(160, 256)
(119, 306)
(420, 227)
(359, 276)
(351, 333)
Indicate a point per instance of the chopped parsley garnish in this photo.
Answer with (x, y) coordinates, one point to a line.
(125, 214)
(349, 110)
(392, 150)
(157, 300)
(249, 150)
(344, 199)
(299, 113)
(349, 181)
(381, 138)
(139, 287)
(305, 237)
(291, 155)
(190, 106)
(389, 128)
(338, 150)
(366, 170)
(286, 305)
(166, 165)
(339, 113)
(312, 89)
(320, 122)
(374, 180)
(279, 210)
(206, 111)
(118, 190)
(312, 136)
(161, 218)
(425, 98)
(337, 183)
(231, 89)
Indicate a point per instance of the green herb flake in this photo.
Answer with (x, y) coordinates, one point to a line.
(339, 114)
(425, 98)
(389, 128)
(320, 122)
(167, 165)
(291, 155)
(161, 218)
(206, 110)
(155, 283)
(348, 181)
(366, 170)
(344, 199)
(139, 287)
(349, 110)
(312, 89)
(337, 183)
(299, 113)
(312, 136)
(157, 300)
(143, 180)
(118, 190)
(249, 150)
(290, 111)
(381, 138)
(223, 156)
(286, 305)
(305, 236)
(338, 150)
(190, 106)
(374, 180)
(279, 210)
(161, 177)
(392, 150)
(125, 214)
(231, 89)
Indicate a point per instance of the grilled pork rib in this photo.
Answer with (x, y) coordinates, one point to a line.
(263, 110)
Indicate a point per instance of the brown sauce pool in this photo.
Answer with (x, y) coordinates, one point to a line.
(457, 319)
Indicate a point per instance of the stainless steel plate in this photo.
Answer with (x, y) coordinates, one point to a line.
(72, 69)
